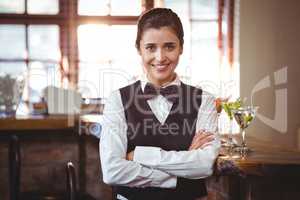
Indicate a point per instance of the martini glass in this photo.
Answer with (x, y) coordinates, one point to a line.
(244, 116)
(228, 107)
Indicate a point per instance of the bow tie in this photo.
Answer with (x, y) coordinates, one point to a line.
(171, 92)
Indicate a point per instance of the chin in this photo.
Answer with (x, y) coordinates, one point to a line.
(162, 76)
(163, 79)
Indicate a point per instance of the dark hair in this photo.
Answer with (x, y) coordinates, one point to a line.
(157, 18)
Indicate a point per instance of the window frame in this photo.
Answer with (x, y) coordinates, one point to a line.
(68, 21)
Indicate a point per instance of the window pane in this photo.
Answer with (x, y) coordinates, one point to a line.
(126, 7)
(182, 9)
(12, 68)
(204, 9)
(44, 42)
(205, 54)
(93, 7)
(89, 79)
(99, 80)
(42, 7)
(123, 47)
(108, 60)
(178, 6)
(204, 41)
(40, 76)
(12, 42)
(94, 42)
(103, 43)
(124, 56)
(112, 7)
(12, 6)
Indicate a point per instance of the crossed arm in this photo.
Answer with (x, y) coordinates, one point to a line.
(152, 166)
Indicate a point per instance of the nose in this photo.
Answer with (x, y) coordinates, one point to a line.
(160, 55)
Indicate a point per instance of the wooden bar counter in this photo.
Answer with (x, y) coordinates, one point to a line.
(263, 156)
(40, 122)
(268, 172)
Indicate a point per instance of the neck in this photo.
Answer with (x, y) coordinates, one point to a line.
(159, 84)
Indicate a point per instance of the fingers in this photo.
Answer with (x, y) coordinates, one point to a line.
(201, 140)
(201, 143)
(129, 156)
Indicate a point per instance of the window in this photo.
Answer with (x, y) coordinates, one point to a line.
(73, 44)
(106, 59)
(89, 44)
(109, 7)
(200, 63)
(106, 52)
(30, 46)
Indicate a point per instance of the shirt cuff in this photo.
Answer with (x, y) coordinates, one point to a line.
(148, 156)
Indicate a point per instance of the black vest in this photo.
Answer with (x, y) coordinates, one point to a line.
(175, 134)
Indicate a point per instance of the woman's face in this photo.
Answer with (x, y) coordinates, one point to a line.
(160, 50)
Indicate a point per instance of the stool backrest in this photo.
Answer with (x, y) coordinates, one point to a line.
(71, 181)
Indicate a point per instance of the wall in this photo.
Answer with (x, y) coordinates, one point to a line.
(269, 40)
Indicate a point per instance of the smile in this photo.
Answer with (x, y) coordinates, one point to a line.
(160, 67)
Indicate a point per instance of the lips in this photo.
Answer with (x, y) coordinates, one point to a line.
(161, 67)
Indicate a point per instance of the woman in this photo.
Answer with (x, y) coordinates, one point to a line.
(159, 135)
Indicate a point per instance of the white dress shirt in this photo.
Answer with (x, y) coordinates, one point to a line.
(153, 166)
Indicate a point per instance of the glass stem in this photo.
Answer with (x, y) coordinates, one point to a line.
(243, 138)
(230, 138)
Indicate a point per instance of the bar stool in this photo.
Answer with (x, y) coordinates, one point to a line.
(15, 176)
(73, 193)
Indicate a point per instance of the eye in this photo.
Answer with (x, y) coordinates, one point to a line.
(170, 47)
(150, 48)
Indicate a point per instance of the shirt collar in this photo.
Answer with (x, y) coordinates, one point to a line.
(144, 80)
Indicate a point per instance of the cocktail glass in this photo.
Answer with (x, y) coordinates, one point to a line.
(244, 116)
(228, 107)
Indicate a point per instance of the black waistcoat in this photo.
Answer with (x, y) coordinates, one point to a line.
(175, 134)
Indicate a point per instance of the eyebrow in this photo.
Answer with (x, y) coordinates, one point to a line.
(149, 44)
(166, 43)
(170, 43)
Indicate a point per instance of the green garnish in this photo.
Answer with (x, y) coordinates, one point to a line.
(248, 118)
(229, 106)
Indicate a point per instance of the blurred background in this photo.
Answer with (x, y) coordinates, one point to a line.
(85, 49)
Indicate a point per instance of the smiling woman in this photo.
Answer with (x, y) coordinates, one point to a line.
(159, 137)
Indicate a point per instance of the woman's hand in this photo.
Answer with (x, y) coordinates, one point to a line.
(201, 140)
(129, 156)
